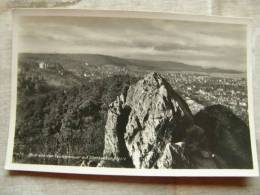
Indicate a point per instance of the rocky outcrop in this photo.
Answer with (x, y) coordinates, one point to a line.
(227, 135)
(115, 152)
(145, 122)
(158, 115)
(150, 126)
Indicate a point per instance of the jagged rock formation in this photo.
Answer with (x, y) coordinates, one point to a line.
(115, 149)
(150, 126)
(158, 115)
(144, 121)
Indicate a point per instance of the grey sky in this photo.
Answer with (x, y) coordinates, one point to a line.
(194, 43)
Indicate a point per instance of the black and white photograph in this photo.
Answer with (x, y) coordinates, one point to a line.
(124, 93)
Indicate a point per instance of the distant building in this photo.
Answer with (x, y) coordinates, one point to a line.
(43, 65)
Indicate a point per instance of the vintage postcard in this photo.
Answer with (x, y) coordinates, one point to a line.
(131, 93)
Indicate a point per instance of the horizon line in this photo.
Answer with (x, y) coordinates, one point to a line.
(205, 68)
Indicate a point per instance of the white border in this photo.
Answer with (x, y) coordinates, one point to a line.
(131, 171)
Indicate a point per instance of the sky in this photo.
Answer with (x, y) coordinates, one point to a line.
(193, 43)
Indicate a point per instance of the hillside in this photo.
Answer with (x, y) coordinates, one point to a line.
(77, 62)
(59, 122)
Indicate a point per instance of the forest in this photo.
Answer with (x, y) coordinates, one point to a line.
(62, 120)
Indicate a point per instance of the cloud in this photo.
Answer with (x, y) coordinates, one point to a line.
(195, 43)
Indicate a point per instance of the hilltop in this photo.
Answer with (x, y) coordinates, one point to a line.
(78, 62)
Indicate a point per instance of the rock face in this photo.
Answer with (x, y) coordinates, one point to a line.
(150, 126)
(173, 157)
(158, 115)
(145, 122)
(115, 150)
(228, 137)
